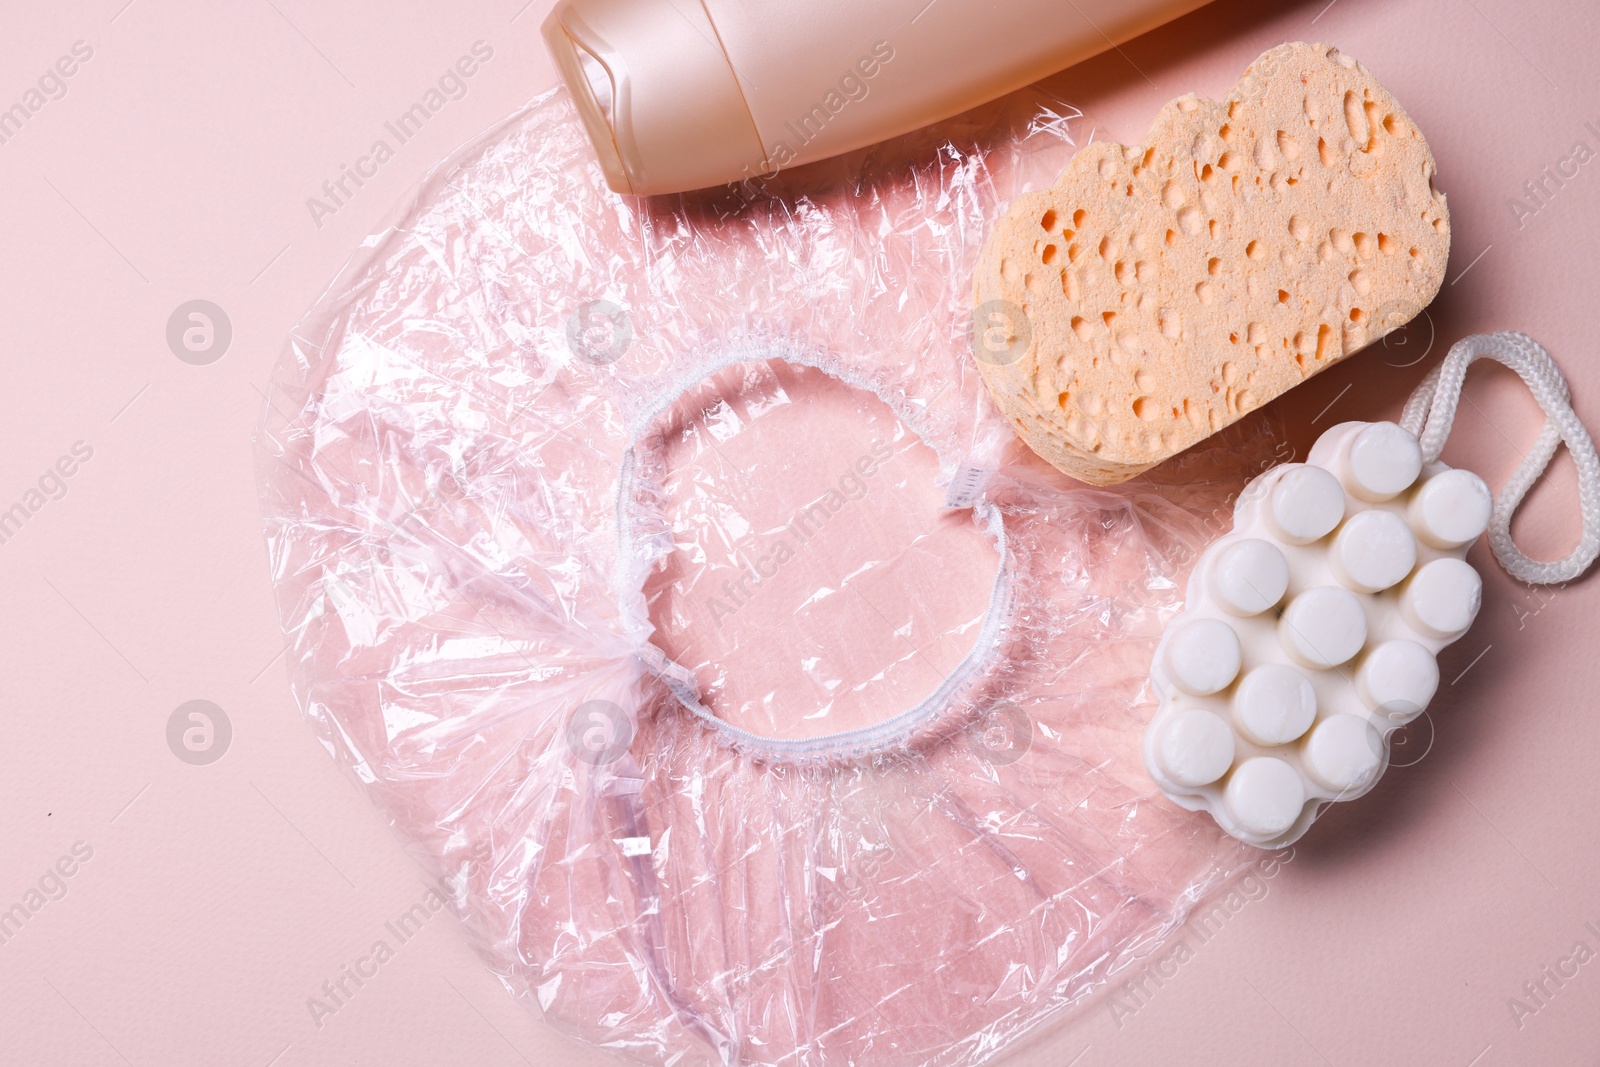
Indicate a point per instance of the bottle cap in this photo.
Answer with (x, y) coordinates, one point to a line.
(656, 94)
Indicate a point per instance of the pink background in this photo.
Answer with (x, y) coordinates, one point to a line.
(218, 898)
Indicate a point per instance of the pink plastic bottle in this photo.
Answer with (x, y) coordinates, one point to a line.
(684, 94)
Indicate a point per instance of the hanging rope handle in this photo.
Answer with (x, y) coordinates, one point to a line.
(1432, 408)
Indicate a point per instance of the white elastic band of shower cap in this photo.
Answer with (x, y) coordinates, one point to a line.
(632, 571)
(1432, 408)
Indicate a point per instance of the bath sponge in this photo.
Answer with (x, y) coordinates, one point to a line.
(1158, 292)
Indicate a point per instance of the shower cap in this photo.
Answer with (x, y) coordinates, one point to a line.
(663, 573)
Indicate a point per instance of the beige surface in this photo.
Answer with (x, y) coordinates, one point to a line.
(1173, 286)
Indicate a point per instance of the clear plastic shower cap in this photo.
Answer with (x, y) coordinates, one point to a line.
(663, 572)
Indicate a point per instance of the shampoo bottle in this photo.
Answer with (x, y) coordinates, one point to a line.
(685, 94)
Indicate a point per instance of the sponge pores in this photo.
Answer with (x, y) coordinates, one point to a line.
(1156, 293)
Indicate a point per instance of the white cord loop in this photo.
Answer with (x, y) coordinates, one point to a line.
(1432, 408)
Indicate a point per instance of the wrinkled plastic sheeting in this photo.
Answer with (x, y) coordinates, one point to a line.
(814, 739)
